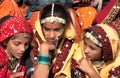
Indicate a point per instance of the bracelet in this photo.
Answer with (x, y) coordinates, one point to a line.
(43, 58)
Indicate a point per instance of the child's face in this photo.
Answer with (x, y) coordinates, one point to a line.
(18, 44)
(91, 50)
(53, 31)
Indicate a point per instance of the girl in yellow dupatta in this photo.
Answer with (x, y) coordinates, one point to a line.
(101, 49)
(53, 27)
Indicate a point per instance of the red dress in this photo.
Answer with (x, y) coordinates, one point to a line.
(4, 71)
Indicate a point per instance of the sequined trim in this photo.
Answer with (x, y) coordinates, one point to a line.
(107, 49)
(114, 11)
(62, 56)
(77, 72)
(34, 52)
(115, 72)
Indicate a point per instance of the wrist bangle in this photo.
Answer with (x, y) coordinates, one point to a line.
(43, 58)
(43, 54)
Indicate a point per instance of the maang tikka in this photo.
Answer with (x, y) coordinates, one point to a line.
(53, 18)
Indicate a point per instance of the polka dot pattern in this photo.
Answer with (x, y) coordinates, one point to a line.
(13, 26)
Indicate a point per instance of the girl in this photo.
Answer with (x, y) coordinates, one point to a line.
(15, 38)
(101, 49)
(54, 33)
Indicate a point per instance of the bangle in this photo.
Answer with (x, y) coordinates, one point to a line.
(43, 58)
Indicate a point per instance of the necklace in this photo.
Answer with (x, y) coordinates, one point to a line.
(12, 62)
(98, 64)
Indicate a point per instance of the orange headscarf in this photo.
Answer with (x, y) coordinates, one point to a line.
(10, 7)
(86, 16)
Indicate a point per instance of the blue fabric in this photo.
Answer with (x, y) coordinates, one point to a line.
(35, 5)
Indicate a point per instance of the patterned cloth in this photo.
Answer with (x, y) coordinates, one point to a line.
(110, 48)
(8, 28)
(12, 26)
(10, 7)
(4, 71)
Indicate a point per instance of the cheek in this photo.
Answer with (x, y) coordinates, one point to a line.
(45, 33)
(11, 49)
(97, 54)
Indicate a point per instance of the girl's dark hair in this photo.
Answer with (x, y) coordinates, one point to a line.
(1, 21)
(4, 19)
(59, 11)
(94, 34)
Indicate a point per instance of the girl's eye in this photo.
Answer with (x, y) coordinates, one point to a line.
(92, 48)
(16, 43)
(46, 29)
(58, 29)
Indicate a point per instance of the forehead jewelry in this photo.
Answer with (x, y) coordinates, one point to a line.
(53, 18)
(92, 38)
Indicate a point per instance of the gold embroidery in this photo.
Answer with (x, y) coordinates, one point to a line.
(115, 10)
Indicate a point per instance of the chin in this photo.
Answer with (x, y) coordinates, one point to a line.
(18, 57)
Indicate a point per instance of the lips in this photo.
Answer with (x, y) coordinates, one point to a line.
(88, 57)
(20, 55)
(52, 41)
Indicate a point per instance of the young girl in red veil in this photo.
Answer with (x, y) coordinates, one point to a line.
(15, 37)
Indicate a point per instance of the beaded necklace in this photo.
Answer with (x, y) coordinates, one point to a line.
(13, 63)
(61, 56)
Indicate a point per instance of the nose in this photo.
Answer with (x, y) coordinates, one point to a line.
(52, 34)
(22, 48)
(86, 50)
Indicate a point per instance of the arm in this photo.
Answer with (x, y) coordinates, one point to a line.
(42, 68)
(87, 67)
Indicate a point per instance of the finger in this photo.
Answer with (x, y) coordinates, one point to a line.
(78, 62)
(17, 74)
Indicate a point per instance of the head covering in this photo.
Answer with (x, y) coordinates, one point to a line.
(46, 12)
(86, 15)
(12, 26)
(116, 23)
(109, 39)
(10, 7)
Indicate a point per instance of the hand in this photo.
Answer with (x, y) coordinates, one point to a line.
(17, 74)
(85, 65)
(46, 47)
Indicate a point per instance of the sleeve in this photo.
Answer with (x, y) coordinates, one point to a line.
(29, 67)
(28, 64)
(3, 59)
(115, 72)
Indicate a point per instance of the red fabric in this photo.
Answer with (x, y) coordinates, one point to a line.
(104, 12)
(4, 71)
(13, 26)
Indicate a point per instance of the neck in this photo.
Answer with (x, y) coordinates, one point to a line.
(11, 58)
